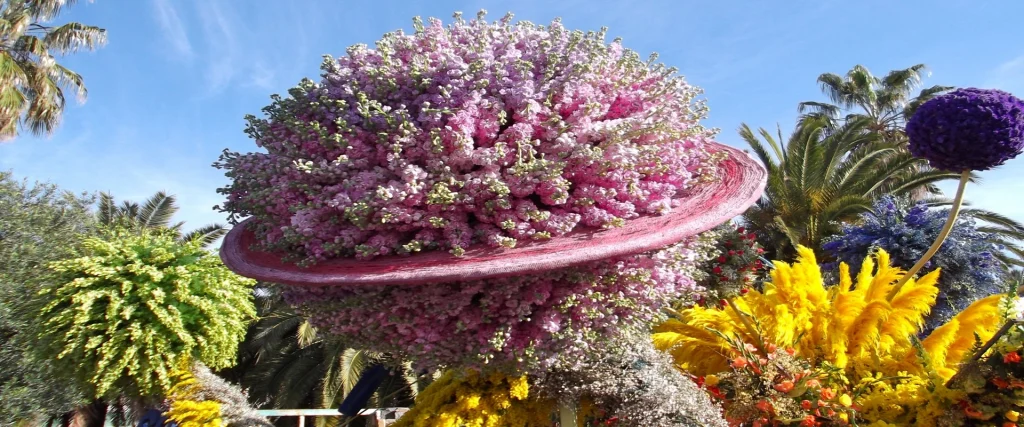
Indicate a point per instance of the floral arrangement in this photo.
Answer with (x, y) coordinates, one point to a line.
(776, 387)
(854, 339)
(993, 382)
(201, 399)
(120, 316)
(970, 269)
(631, 384)
(734, 266)
(469, 398)
(520, 323)
(477, 132)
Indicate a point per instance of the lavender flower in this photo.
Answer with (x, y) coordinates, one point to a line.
(968, 129)
(970, 270)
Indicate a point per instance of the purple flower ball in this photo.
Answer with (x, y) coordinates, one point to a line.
(968, 129)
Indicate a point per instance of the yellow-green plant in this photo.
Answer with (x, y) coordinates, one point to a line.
(121, 316)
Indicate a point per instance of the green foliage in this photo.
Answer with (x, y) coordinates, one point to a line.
(285, 363)
(123, 314)
(821, 177)
(32, 83)
(153, 214)
(35, 222)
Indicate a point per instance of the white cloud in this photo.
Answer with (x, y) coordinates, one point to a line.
(1008, 76)
(173, 29)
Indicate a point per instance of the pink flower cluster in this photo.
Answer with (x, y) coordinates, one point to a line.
(522, 323)
(474, 132)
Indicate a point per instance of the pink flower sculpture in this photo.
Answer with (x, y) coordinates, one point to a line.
(482, 192)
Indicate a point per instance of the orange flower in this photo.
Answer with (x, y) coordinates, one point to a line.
(740, 362)
(813, 383)
(785, 386)
(1000, 383)
(827, 394)
(791, 351)
(763, 406)
(1011, 358)
(1009, 424)
(806, 404)
(808, 421)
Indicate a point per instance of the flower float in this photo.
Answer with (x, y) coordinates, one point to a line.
(482, 193)
(847, 339)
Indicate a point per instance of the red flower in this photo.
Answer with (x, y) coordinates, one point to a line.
(1000, 383)
(743, 291)
(763, 406)
(1013, 357)
(722, 259)
(806, 404)
(741, 230)
(808, 421)
(974, 413)
(717, 270)
(740, 362)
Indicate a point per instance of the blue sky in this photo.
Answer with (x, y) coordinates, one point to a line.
(169, 91)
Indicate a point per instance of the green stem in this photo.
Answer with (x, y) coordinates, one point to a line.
(965, 176)
(749, 326)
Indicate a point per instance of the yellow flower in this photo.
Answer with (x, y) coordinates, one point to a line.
(711, 380)
(1012, 416)
(853, 325)
(845, 400)
(520, 388)
(467, 399)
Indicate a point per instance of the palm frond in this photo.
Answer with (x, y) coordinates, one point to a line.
(107, 212)
(206, 234)
(73, 36)
(156, 212)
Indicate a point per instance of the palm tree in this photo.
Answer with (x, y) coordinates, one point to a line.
(155, 212)
(32, 83)
(285, 363)
(820, 177)
(885, 102)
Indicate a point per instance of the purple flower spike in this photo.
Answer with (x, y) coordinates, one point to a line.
(968, 129)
